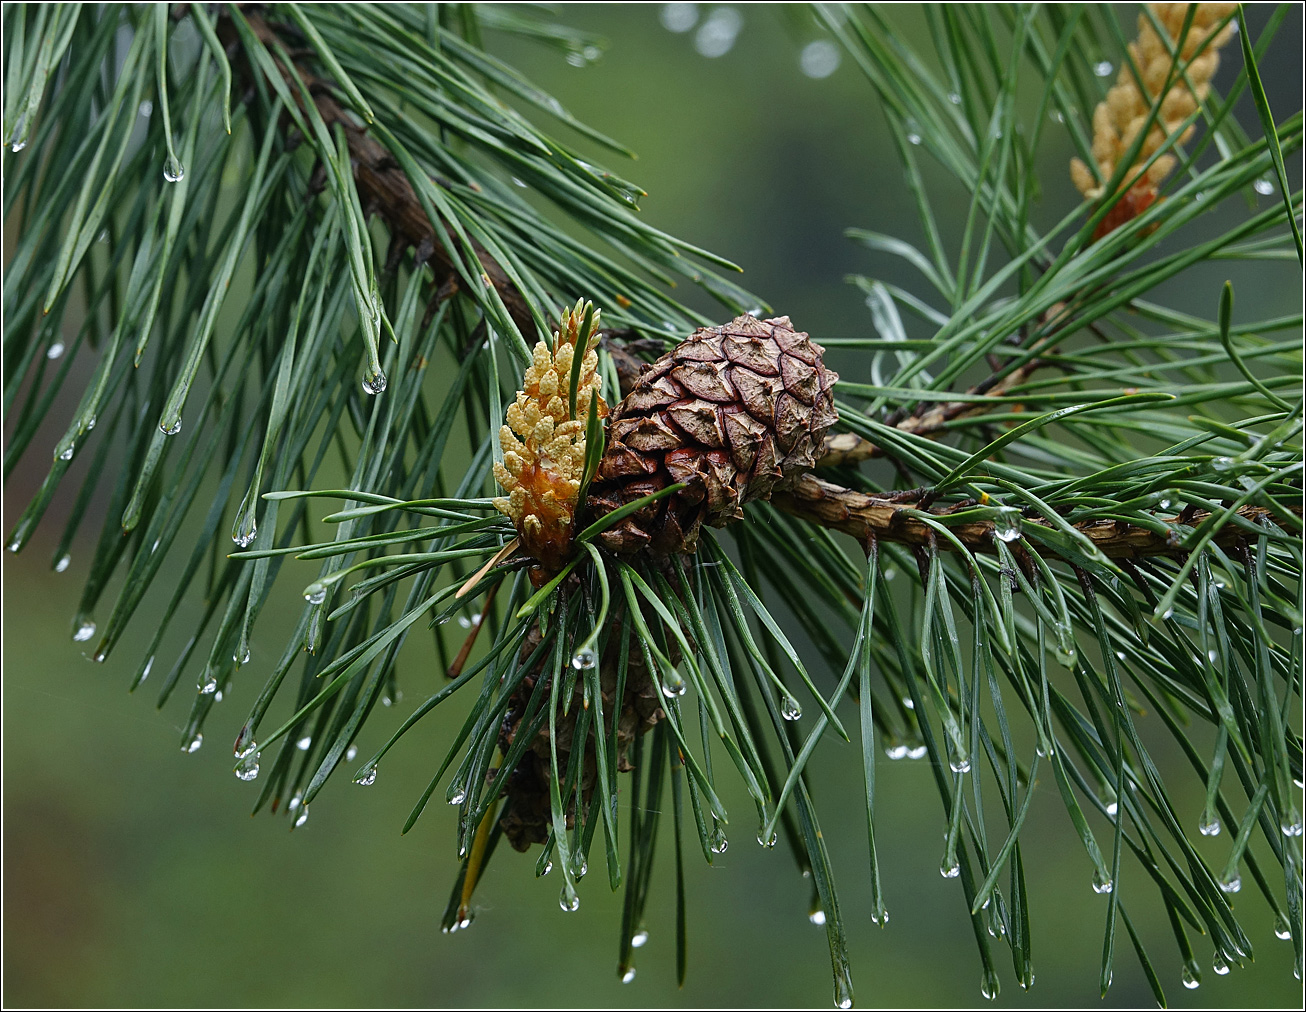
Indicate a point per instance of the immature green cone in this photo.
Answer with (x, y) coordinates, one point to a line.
(734, 412)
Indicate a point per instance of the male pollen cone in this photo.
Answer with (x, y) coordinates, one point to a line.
(544, 444)
(734, 412)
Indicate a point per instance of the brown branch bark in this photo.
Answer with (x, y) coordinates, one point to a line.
(887, 518)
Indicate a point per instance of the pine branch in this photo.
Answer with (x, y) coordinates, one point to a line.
(898, 518)
(383, 186)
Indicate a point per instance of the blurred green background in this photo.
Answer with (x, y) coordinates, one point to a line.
(133, 876)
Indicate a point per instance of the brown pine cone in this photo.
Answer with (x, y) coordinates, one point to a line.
(734, 412)
(527, 816)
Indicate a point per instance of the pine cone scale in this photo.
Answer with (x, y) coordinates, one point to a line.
(732, 412)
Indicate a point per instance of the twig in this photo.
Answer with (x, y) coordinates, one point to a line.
(850, 448)
(887, 519)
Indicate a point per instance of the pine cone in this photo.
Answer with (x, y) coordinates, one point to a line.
(527, 817)
(734, 412)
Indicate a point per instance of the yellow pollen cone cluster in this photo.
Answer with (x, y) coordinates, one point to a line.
(1118, 120)
(544, 443)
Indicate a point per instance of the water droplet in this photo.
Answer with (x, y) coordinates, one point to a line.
(458, 795)
(819, 59)
(245, 531)
(1231, 882)
(217, 696)
(1112, 808)
(916, 751)
(580, 867)
(672, 689)
(766, 841)
(896, 751)
(1208, 824)
(351, 753)
(880, 917)
(1291, 824)
(717, 842)
(959, 763)
(568, 899)
(1221, 463)
(293, 803)
(548, 867)
(717, 35)
(66, 453)
(1103, 68)
(1006, 525)
(585, 660)
(304, 743)
(843, 989)
(679, 17)
(954, 98)
(1102, 883)
(1219, 964)
(374, 383)
(1167, 615)
(1190, 976)
(194, 744)
(209, 685)
(315, 593)
(17, 146)
(949, 867)
(85, 630)
(816, 916)
(789, 708)
(302, 817)
(1263, 186)
(628, 974)
(170, 429)
(1057, 116)
(55, 350)
(1045, 750)
(149, 665)
(989, 985)
(366, 778)
(247, 768)
(1281, 929)
(913, 137)
(174, 171)
(909, 703)
(146, 107)
(1066, 655)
